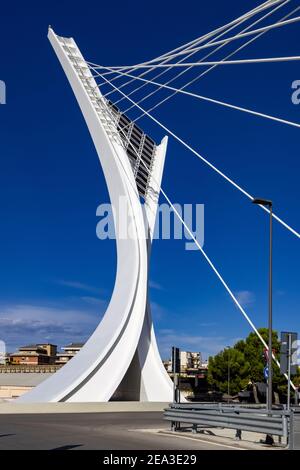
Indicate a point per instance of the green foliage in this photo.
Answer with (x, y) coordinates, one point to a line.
(246, 361)
(238, 369)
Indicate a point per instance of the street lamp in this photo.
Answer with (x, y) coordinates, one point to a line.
(269, 204)
(228, 373)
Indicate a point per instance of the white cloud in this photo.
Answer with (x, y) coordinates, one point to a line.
(157, 311)
(155, 285)
(93, 300)
(20, 324)
(207, 345)
(78, 286)
(245, 297)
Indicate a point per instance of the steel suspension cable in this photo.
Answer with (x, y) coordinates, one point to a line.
(207, 258)
(215, 101)
(242, 35)
(259, 60)
(265, 5)
(197, 154)
(164, 100)
(236, 22)
(205, 57)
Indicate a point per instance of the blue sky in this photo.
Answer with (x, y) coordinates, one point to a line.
(56, 277)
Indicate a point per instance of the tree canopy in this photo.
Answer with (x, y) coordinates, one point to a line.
(246, 363)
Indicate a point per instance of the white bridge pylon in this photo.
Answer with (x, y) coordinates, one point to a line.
(121, 359)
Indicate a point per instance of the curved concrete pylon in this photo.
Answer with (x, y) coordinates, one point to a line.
(120, 360)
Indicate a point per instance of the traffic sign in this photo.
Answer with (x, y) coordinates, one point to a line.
(266, 372)
(175, 360)
(285, 354)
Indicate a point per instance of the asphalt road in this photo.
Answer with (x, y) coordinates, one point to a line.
(106, 431)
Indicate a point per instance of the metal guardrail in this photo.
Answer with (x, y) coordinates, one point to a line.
(294, 432)
(239, 418)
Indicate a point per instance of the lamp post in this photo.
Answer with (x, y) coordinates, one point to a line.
(269, 204)
(228, 373)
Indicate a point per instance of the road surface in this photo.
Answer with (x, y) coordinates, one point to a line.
(108, 431)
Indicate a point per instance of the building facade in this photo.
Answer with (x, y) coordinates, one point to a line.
(69, 352)
(34, 354)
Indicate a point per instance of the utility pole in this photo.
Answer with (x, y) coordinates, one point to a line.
(228, 373)
(289, 372)
(269, 204)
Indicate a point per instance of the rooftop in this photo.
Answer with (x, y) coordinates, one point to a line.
(29, 349)
(31, 353)
(73, 345)
(37, 345)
